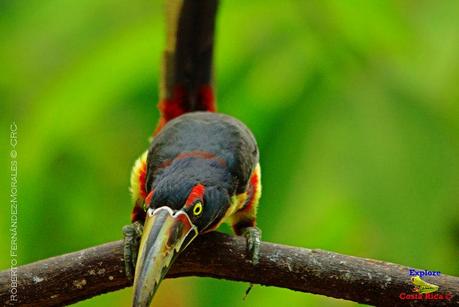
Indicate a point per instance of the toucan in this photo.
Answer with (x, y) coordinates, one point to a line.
(201, 168)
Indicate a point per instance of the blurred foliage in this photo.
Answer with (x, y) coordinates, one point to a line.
(354, 105)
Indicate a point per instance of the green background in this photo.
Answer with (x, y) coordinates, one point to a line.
(354, 105)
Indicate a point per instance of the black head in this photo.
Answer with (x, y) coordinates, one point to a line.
(195, 186)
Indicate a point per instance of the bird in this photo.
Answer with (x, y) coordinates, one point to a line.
(201, 168)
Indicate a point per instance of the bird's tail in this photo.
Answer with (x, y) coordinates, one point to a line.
(186, 77)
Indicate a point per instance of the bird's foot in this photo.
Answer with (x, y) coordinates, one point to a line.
(132, 234)
(253, 237)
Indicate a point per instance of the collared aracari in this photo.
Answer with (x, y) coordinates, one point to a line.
(201, 168)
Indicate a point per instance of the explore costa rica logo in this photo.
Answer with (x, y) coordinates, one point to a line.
(422, 286)
(423, 290)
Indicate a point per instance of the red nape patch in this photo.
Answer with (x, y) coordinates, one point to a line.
(206, 99)
(196, 193)
(202, 155)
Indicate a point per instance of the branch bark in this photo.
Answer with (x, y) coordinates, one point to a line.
(80, 275)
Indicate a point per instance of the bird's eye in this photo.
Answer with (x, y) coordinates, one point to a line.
(197, 209)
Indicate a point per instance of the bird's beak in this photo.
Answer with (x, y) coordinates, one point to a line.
(166, 233)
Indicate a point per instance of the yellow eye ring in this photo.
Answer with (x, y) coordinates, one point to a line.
(197, 209)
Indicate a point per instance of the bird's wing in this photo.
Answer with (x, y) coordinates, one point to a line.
(186, 76)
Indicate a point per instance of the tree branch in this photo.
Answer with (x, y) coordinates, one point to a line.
(80, 275)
